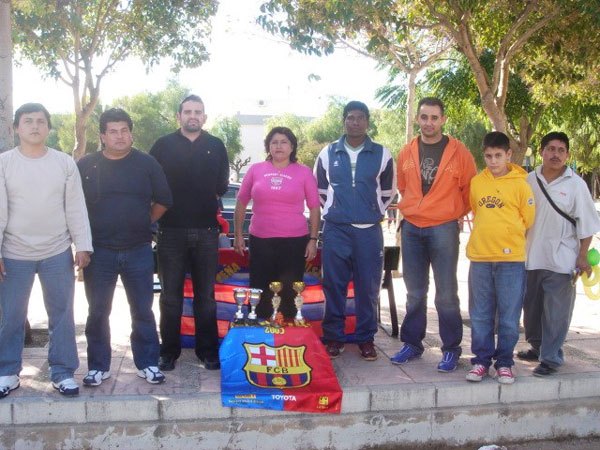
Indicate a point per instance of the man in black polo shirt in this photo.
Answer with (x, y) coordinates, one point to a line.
(197, 170)
(125, 192)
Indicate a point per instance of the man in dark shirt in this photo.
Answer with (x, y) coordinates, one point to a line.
(125, 192)
(197, 170)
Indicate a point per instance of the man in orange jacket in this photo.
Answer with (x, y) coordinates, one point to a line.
(434, 173)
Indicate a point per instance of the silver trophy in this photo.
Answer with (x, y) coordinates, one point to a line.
(254, 299)
(276, 287)
(299, 286)
(239, 295)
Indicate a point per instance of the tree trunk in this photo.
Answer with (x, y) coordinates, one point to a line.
(6, 106)
(500, 123)
(80, 135)
(410, 105)
(81, 120)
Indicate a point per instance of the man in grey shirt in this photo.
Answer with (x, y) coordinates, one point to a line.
(42, 212)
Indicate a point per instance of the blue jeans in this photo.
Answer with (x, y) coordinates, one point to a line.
(136, 267)
(495, 286)
(422, 248)
(58, 288)
(357, 254)
(196, 249)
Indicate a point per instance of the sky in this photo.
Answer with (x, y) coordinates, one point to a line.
(250, 71)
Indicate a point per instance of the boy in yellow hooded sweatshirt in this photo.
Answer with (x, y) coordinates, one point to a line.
(503, 207)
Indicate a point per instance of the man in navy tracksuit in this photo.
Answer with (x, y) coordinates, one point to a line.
(356, 183)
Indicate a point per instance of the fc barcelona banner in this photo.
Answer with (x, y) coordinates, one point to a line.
(283, 368)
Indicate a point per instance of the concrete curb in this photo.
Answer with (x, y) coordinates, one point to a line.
(207, 406)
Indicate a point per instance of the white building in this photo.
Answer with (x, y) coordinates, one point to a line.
(253, 131)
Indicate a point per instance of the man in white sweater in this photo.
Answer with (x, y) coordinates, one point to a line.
(42, 212)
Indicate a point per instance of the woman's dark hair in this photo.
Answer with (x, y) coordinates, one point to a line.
(289, 134)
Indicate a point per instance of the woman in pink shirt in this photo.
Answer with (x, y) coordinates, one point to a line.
(280, 241)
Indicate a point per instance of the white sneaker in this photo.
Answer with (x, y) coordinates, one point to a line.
(151, 374)
(8, 383)
(67, 387)
(95, 377)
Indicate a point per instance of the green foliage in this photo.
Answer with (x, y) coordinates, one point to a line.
(309, 152)
(295, 123)
(580, 122)
(50, 33)
(80, 41)
(564, 62)
(153, 115)
(329, 126)
(467, 123)
(454, 83)
(391, 128)
(228, 130)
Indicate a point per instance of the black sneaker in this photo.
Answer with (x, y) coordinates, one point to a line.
(166, 363)
(334, 349)
(210, 363)
(528, 355)
(543, 370)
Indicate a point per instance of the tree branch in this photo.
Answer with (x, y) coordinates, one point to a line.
(435, 56)
(501, 61)
(525, 36)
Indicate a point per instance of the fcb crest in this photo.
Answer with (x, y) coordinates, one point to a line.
(276, 367)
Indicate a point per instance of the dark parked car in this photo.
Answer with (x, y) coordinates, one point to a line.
(229, 200)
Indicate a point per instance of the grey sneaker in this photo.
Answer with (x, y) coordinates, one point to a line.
(68, 387)
(151, 374)
(8, 383)
(95, 377)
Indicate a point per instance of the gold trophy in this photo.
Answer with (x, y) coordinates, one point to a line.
(299, 286)
(254, 299)
(276, 287)
(239, 295)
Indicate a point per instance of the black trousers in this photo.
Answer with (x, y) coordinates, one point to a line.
(276, 259)
(178, 250)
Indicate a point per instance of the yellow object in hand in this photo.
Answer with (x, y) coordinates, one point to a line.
(589, 282)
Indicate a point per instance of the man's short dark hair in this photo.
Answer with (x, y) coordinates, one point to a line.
(287, 133)
(431, 101)
(114, 115)
(555, 135)
(496, 139)
(355, 105)
(31, 108)
(190, 98)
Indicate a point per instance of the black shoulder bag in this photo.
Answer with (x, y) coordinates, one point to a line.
(556, 208)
